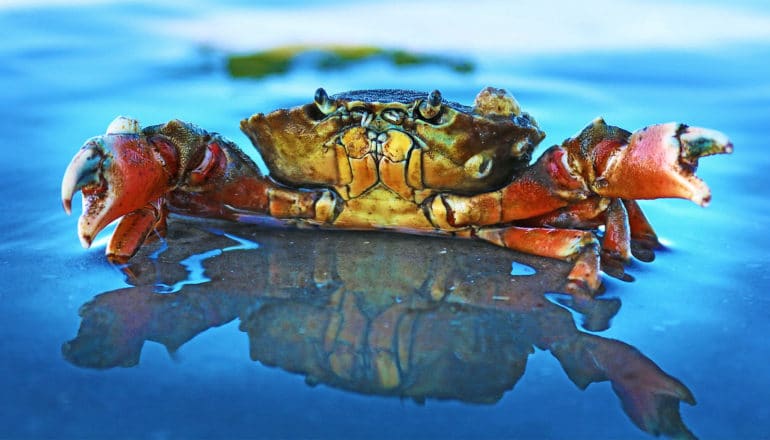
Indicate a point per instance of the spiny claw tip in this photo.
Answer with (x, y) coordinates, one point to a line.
(86, 240)
(67, 204)
(699, 142)
(700, 193)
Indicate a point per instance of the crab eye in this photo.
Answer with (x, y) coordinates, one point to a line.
(393, 116)
(431, 106)
(323, 102)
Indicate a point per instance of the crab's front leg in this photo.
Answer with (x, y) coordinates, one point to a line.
(555, 207)
(500, 217)
(658, 161)
(142, 174)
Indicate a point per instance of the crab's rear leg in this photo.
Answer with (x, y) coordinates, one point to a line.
(590, 215)
(578, 246)
(644, 240)
(616, 243)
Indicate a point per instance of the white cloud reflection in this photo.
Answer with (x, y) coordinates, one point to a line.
(482, 26)
(526, 27)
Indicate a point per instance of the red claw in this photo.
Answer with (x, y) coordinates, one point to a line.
(118, 173)
(142, 175)
(660, 161)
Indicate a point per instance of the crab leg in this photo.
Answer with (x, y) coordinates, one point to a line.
(544, 187)
(616, 244)
(564, 244)
(643, 236)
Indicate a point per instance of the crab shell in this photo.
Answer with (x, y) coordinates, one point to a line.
(412, 143)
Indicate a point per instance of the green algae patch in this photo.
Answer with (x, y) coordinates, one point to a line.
(281, 59)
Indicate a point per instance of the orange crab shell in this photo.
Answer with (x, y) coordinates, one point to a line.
(404, 139)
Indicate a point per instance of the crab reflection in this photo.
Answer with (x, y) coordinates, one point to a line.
(376, 314)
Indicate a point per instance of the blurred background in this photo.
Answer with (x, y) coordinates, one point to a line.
(700, 310)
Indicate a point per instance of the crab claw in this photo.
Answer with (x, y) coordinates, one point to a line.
(118, 173)
(660, 161)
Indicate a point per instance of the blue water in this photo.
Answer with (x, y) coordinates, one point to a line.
(700, 311)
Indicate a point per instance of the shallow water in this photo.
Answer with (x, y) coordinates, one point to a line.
(699, 311)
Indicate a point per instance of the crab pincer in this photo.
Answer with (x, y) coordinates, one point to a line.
(120, 173)
(659, 161)
(143, 174)
(618, 168)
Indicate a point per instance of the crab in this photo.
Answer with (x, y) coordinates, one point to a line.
(400, 161)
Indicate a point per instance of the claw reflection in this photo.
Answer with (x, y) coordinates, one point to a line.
(376, 314)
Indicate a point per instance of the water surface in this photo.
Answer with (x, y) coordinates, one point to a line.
(699, 311)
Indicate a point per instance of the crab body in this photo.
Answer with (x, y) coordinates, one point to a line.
(400, 160)
(384, 152)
